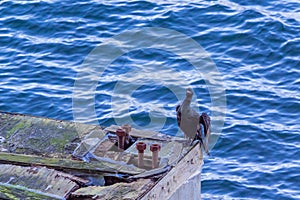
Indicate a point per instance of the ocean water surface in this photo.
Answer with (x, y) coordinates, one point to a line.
(254, 44)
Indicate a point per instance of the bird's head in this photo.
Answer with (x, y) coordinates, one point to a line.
(189, 92)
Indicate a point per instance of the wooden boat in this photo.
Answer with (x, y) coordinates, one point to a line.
(43, 158)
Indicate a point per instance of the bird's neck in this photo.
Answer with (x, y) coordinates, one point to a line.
(187, 101)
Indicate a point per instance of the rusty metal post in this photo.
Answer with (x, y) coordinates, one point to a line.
(140, 146)
(121, 138)
(155, 148)
(127, 129)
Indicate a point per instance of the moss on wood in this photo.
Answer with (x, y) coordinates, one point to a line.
(15, 192)
(68, 164)
(41, 136)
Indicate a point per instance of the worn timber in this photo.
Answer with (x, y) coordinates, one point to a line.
(43, 158)
(44, 182)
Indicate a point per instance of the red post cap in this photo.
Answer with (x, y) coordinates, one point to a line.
(141, 146)
(120, 132)
(155, 147)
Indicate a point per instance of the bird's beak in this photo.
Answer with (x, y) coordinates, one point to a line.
(189, 92)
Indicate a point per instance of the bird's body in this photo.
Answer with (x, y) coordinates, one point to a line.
(190, 121)
(189, 118)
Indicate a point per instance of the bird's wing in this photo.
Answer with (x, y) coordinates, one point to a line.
(178, 114)
(205, 121)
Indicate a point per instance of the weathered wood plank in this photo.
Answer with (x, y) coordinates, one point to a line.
(35, 181)
(42, 136)
(16, 192)
(118, 191)
(170, 183)
(68, 164)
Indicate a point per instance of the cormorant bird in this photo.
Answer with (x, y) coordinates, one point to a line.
(189, 121)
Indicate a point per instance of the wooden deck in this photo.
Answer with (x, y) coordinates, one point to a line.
(43, 158)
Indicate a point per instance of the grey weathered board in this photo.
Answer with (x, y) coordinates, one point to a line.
(179, 174)
(118, 191)
(46, 146)
(38, 182)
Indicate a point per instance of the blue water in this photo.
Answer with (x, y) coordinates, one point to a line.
(254, 44)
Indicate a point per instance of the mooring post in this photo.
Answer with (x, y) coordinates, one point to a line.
(127, 129)
(155, 148)
(121, 138)
(140, 146)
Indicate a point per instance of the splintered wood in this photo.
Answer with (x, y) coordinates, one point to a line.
(169, 184)
(118, 191)
(39, 181)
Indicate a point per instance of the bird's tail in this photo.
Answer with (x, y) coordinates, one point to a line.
(204, 119)
(205, 147)
(202, 143)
